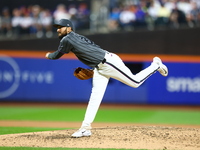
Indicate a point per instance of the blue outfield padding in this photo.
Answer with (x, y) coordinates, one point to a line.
(31, 79)
(181, 86)
(41, 80)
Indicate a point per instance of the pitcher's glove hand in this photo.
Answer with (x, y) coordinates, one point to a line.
(83, 74)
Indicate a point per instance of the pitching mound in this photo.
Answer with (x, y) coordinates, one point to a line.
(130, 137)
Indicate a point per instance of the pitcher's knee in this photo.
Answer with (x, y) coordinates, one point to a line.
(135, 85)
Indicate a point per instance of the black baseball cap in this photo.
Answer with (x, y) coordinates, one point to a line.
(64, 23)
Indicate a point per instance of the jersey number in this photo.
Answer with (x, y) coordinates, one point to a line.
(87, 40)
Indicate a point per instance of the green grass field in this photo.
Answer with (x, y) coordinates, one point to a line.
(158, 116)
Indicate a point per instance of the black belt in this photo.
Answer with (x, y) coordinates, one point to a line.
(103, 61)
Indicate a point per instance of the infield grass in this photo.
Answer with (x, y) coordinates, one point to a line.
(141, 116)
(103, 115)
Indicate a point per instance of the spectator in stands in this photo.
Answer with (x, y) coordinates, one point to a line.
(37, 21)
(73, 11)
(46, 21)
(151, 15)
(177, 18)
(140, 17)
(127, 18)
(194, 16)
(26, 23)
(162, 16)
(197, 2)
(6, 27)
(153, 10)
(16, 22)
(82, 16)
(185, 6)
(113, 20)
(169, 4)
(61, 12)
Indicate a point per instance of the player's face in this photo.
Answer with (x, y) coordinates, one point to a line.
(62, 31)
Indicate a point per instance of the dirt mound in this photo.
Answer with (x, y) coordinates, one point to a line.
(132, 137)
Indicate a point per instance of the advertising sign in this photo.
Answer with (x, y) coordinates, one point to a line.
(181, 86)
(34, 79)
(39, 79)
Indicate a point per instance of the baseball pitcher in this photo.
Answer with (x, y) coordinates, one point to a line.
(104, 64)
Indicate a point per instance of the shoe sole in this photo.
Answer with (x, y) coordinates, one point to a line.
(80, 136)
(164, 70)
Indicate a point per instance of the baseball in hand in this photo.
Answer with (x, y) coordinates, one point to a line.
(47, 55)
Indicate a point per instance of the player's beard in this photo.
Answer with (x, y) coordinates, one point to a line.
(61, 35)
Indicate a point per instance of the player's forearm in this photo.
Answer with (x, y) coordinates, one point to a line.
(54, 55)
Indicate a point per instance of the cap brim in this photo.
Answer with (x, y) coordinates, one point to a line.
(57, 25)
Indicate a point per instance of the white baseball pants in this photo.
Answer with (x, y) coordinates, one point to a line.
(112, 68)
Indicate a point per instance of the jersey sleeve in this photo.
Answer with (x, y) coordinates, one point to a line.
(65, 46)
(55, 55)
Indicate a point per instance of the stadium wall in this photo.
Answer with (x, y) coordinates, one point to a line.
(175, 42)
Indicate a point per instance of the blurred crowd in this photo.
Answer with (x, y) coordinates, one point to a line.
(37, 22)
(153, 14)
